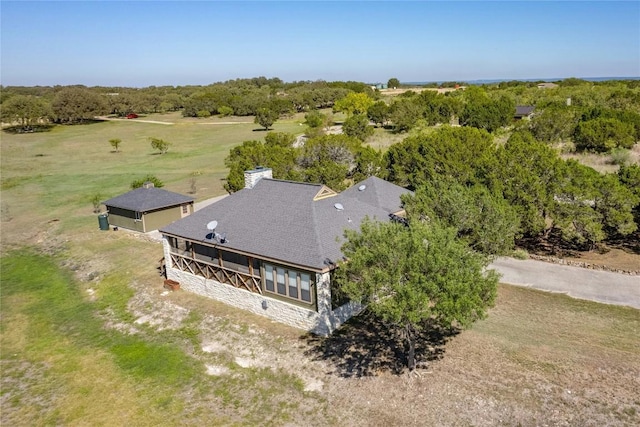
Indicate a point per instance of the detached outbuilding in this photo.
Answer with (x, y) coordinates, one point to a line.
(147, 208)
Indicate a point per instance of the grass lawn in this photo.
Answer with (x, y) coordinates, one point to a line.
(88, 338)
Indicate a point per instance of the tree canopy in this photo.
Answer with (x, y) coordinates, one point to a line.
(354, 103)
(160, 144)
(393, 83)
(415, 277)
(357, 126)
(27, 110)
(76, 105)
(265, 117)
(482, 219)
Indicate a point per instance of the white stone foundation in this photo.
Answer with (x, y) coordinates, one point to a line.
(322, 322)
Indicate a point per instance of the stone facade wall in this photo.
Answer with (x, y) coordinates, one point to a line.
(322, 322)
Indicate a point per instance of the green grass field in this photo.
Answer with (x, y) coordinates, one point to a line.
(73, 350)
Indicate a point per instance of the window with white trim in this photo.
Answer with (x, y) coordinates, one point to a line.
(288, 283)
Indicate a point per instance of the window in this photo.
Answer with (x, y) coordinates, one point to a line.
(235, 261)
(282, 289)
(305, 287)
(293, 284)
(185, 209)
(268, 276)
(288, 283)
(206, 253)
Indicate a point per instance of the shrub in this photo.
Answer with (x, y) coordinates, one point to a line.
(225, 111)
(149, 178)
(96, 201)
(160, 145)
(620, 156)
(203, 114)
(520, 254)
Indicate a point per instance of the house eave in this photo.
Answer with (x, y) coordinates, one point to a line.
(254, 255)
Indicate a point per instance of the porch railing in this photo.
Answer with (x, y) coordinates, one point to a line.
(229, 276)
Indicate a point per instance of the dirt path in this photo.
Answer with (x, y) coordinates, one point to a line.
(134, 120)
(167, 123)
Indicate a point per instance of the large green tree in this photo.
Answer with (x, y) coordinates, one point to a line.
(26, 110)
(404, 113)
(277, 153)
(354, 103)
(265, 117)
(378, 113)
(76, 105)
(329, 159)
(481, 111)
(591, 207)
(393, 83)
(415, 277)
(357, 126)
(484, 220)
(464, 154)
(527, 173)
(603, 134)
(553, 124)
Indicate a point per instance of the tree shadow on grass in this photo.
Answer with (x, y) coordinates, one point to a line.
(262, 129)
(28, 129)
(365, 346)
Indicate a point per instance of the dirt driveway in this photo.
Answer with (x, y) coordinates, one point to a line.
(582, 283)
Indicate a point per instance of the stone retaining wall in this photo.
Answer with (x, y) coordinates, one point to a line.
(581, 264)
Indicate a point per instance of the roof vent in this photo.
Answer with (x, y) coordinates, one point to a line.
(362, 187)
(339, 206)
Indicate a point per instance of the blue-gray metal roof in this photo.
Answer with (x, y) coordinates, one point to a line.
(281, 220)
(147, 199)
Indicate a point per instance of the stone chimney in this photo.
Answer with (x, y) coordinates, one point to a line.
(252, 177)
(148, 184)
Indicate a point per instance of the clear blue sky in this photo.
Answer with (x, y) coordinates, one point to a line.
(146, 43)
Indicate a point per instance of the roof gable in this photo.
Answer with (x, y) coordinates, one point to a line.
(147, 199)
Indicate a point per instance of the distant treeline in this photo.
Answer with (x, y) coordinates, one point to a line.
(594, 116)
(240, 97)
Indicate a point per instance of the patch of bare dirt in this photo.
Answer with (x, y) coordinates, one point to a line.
(518, 367)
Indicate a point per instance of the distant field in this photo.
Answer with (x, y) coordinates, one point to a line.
(53, 175)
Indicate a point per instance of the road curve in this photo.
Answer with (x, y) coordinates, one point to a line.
(582, 283)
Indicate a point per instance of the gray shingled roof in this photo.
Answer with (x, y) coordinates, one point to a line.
(147, 199)
(280, 220)
(524, 110)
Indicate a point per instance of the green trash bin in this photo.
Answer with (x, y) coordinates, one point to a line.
(103, 221)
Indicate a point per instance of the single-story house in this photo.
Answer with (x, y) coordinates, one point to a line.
(147, 208)
(524, 112)
(271, 247)
(547, 85)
